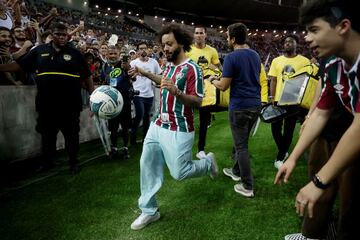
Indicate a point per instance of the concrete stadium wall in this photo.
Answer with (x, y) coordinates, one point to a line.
(18, 138)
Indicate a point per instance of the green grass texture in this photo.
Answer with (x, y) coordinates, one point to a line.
(100, 203)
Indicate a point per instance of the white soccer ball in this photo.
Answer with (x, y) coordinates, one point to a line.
(106, 102)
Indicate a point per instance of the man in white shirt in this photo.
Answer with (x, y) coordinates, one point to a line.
(143, 102)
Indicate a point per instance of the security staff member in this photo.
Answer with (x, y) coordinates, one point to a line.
(114, 74)
(61, 71)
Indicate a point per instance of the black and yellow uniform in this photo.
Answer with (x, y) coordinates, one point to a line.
(59, 77)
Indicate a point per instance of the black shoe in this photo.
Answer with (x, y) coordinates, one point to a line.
(125, 153)
(74, 169)
(114, 151)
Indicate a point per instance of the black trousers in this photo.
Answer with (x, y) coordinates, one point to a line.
(124, 118)
(204, 116)
(48, 125)
(241, 122)
(283, 131)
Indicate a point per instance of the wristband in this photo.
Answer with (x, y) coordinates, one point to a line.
(318, 183)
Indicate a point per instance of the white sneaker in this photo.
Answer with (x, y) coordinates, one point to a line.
(279, 163)
(214, 171)
(298, 236)
(201, 155)
(143, 220)
(239, 188)
(228, 172)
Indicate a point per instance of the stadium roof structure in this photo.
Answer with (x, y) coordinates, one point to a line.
(211, 11)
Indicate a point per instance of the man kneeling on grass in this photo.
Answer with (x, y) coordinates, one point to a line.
(170, 137)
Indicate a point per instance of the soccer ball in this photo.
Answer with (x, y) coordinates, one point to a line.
(106, 102)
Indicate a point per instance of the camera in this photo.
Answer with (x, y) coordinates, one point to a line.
(125, 58)
(133, 92)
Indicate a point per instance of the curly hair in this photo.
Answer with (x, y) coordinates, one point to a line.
(182, 36)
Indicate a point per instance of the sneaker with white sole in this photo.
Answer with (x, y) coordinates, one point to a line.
(298, 236)
(295, 236)
(201, 155)
(143, 220)
(279, 163)
(229, 172)
(214, 171)
(239, 188)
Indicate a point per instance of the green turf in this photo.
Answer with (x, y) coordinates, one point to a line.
(101, 202)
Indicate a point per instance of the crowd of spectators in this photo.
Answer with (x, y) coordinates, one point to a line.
(91, 32)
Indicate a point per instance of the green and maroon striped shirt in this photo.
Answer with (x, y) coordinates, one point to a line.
(343, 82)
(173, 114)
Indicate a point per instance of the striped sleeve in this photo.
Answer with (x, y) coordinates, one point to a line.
(194, 81)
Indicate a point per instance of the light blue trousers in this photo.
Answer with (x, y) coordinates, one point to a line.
(173, 148)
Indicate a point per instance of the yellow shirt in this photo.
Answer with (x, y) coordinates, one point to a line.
(282, 67)
(264, 85)
(203, 57)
